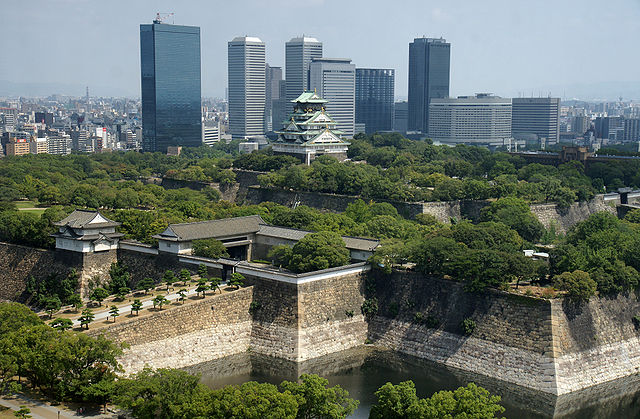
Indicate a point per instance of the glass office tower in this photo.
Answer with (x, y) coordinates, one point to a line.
(429, 60)
(374, 98)
(170, 72)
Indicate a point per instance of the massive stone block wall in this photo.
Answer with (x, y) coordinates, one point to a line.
(549, 346)
(20, 262)
(185, 335)
(563, 220)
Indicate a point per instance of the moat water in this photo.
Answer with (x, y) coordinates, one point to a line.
(362, 371)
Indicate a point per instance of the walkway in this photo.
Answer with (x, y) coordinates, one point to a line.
(40, 410)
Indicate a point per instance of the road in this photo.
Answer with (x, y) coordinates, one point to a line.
(40, 410)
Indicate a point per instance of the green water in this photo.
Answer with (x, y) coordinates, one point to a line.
(362, 371)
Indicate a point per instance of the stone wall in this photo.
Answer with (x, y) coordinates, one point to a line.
(185, 335)
(563, 220)
(548, 346)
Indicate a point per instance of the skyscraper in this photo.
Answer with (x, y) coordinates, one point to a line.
(334, 79)
(429, 60)
(534, 118)
(273, 80)
(374, 98)
(298, 54)
(170, 72)
(246, 75)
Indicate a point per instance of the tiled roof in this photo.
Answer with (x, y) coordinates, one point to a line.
(309, 97)
(211, 229)
(352, 243)
(82, 219)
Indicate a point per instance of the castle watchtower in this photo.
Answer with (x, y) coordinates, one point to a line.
(86, 232)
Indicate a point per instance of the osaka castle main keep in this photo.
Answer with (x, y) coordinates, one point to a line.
(310, 131)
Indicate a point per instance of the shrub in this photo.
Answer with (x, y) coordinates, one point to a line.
(349, 313)
(468, 325)
(394, 309)
(254, 307)
(578, 284)
(369, 307)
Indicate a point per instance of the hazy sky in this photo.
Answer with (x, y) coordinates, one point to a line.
(507, 47)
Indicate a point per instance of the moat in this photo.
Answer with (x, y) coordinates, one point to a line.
(363, 370)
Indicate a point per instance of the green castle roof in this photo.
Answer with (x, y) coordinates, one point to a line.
(309, 97)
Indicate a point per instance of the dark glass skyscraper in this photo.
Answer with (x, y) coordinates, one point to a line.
(170, 72)
(429, 60)
(374, 98)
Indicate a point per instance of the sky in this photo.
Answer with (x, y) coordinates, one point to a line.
(567, 48)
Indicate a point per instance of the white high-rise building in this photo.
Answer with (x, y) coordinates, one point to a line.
(246, 75)
(479, 119)
(298, 55)
(334, 79)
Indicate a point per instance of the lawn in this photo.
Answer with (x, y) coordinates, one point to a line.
(29, 206)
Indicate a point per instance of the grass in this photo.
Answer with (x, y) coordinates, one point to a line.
(29, 206)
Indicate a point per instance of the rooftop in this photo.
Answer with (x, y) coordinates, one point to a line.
(86, 219)
(309, 97)
(211, 229)
(246, 39)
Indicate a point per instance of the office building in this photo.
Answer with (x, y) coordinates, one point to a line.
(580, 124)
(429, 60)
(171, 100)
(311, 131)
(298, 55)
(59, 144)
(273, 76)
(400, 116)
(44, 118)
(334, 79)
(479, 119)
(246, 74)
(211, 134)
(609, 127)
(534, 118)
(631, 129)
(280, 108)
(18, 144)
(374, 98)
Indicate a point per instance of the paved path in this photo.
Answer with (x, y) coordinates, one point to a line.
(40, 410)
(145, 304)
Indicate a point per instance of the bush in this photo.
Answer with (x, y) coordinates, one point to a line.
(209, 248)
(578, 284)
(468, 325)
(369, 307)
(314, 252)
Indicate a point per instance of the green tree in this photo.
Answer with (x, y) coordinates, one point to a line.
(114, 311)
(75, 300)
(203, 271)
(252, 400)
(86, 317)
(169, 278)
(185, 276)
(120, 278)
(209, 248)
(578, 284)
(214, 283)
(163, 393)
(136, 306)
(159, 301)
(317, 251)
(52, 304)
(145, 284)
(99, 294)
(202, 288)
(317, 400)
(61, 324)
(182, 295)
(23, 412)
(236, 280)
(515, 213)
(15, 315)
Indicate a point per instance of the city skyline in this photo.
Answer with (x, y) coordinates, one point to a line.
(497, 46)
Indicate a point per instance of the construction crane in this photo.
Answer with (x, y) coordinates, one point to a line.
(161, 16)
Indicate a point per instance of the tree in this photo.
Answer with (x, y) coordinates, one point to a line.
(317, 251)
(169, 278)
(146, 284)
(578, 284)
(136, 306)
(401, 401)
(52, 304)
(114, 311)
(86, 317)
(182, 295)
(15, 315)
(203, 271)
(316, 400)
(61, 324)
(252, 400)
(515, 213)
(209, 248)
(236, 280)
(185, 276)
(120, 278)
(215, 283)
(23, 412)
(99, 294)
(163, 393)
(159, 301)
(75, 300)
(202, 288)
